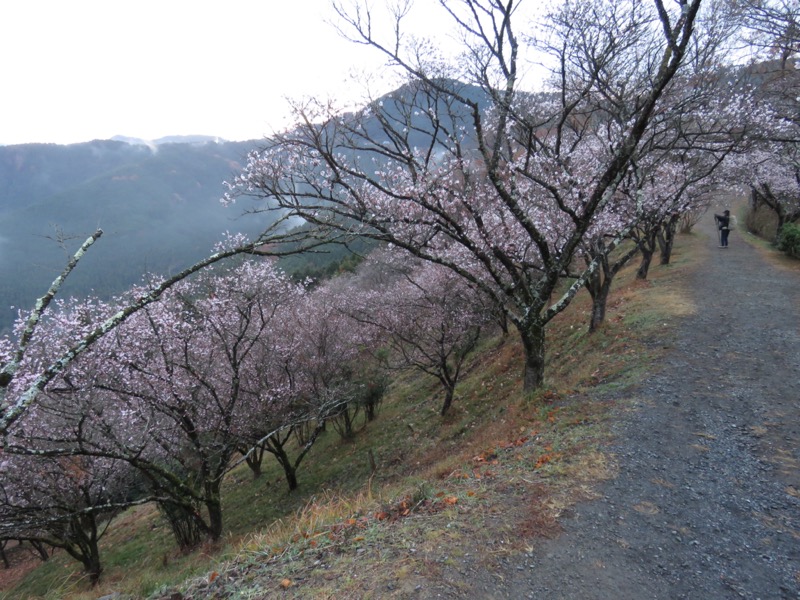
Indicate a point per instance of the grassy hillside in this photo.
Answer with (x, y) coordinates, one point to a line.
(414, 495)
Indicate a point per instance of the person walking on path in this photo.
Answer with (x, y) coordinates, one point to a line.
(724, 226)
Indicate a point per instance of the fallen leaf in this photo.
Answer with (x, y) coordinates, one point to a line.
(286, 583)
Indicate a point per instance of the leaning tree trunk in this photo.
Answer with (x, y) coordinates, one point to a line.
(275, 446)
(3, 554)
(449, 390)
(41, 549)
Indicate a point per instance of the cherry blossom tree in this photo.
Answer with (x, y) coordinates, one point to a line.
(460, 167)
(429, 317)
(66, 502)
(278, 239)
(172, 390)
(703, 121)
(332, 365)
(294, 424)
(198, 366)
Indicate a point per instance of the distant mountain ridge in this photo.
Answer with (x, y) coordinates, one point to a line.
(156, 200)
(170, 139)
(158, 204)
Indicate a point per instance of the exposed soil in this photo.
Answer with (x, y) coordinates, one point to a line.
(706, 504)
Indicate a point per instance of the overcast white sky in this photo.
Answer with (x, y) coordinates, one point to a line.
(76, 70)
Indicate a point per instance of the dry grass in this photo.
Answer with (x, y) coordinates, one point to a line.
(759, 232)
(770, 253)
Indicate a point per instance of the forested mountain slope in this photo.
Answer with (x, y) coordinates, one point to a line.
(158, 206)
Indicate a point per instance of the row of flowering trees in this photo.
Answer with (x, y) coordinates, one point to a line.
(490, 197)
(507, 188)
(226, 366)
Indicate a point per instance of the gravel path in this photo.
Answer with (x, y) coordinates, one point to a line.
(707, 501)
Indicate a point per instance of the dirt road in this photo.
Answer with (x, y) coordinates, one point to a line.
(707, 501)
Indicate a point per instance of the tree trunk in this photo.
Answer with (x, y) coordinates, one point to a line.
(369, 410)
(533, 342)
(3, 554)
(254, 457)
(186, 523)
(448, 399)
(598, 309)
(346, 423)
(81, 543)
(86, 531)
(91, 564)
(291, 475)
(765, 196)
(255, 465)
(644, 266)
(41, 550)
(778, 230)
(598, 286)
(275, 447)
(666, 238)
(647, 246)
(214, 507)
